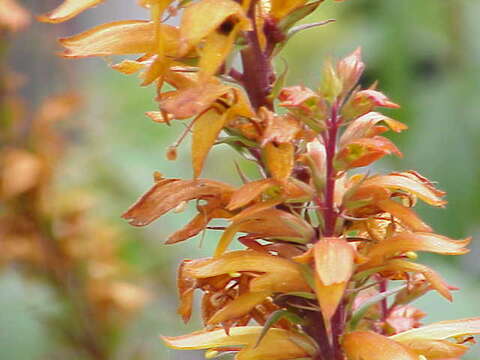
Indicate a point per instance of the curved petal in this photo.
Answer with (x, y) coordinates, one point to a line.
(415, 241)
(280, 275)
(406, 215)
(278, 344)
(405, 182)
(436, 349)
(239, 307)
(363, 345)
(249, 192)
(442, 330)
(362, 126)
(193, 100)
(432, 277)
(364, 151)
(167, 194)
(67, 10)
(119, 38)
(270, 224)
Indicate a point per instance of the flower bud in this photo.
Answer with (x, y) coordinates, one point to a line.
(350, 69)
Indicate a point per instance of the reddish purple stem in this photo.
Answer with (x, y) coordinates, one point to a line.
(330, 139)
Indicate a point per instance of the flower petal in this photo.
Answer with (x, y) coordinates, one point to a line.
(436, 349)
(203, 17)
(269, 224)
(278, 344)
(442, 330)
(418, 241)
(281, 8)
(280, 275)
(279, 160)
(249, 192)
(67, 10)
(432, 276)
(363, 345)
(364, 151)
(405, 182)
(363, 126)
(239, 306)
(167, 194)
(334, 260)
(186, 286)
(217, 47)
(119, 38)
(329, 297)
(206, 128)
(406, 215)
(192, 100)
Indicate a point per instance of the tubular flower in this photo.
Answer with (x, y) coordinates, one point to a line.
(323, 246)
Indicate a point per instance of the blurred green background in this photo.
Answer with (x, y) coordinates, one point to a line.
(426, 56)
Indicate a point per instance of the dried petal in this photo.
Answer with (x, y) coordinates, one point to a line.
(167, 194)
(186, 286)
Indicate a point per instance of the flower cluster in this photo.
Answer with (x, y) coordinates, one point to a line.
(323, 245)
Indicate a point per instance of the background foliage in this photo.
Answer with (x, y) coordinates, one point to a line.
(427, 57)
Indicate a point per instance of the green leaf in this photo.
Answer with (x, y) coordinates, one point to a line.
(226, 356)
(275, 317)
(360, 313)
(280, 82)
(305, 295)
(307, 273)
(234, 139)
